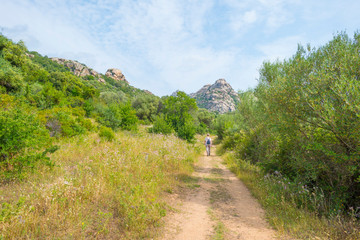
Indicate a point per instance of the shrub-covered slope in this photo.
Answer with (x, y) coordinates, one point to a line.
(41, 99)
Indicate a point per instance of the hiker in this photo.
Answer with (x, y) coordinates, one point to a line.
(208, 144)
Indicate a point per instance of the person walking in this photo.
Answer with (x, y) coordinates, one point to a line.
(208, 143)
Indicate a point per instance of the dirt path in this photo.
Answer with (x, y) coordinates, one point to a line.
(215, 205)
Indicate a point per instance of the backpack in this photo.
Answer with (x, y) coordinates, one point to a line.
(208, 141)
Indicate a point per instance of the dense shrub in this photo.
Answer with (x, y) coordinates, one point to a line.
(22, 136)
(146, 107)
(303, 120)
(224, 125)
(110, 97)
(187, 130)
(160, 125)
(204, 121)
(106, 133)
(10, 77)
(65, 121)
(117, 116)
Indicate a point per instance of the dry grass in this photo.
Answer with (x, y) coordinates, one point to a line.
(98, 189)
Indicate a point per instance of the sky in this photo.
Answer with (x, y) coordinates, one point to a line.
(168, 45)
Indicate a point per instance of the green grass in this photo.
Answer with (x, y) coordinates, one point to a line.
(98, 189)
(219, 227)
(219, 231)
(284, 214)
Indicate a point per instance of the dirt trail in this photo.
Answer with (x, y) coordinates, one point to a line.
(216, 205)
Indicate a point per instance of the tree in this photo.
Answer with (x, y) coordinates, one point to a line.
(146, 107)
(179, 113)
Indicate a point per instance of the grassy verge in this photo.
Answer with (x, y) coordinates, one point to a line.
(281, 202)
(98, 189)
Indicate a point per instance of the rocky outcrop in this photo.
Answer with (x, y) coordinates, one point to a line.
(116, 74)
(77, 68)
(219, 97)
(82, 70)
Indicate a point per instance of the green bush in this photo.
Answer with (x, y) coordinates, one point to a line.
(117, 116)
(202, 128)
(146, 107)
(129, 119)
(205, 118)
(160, 125)
(187, 131)
(86, 123)
(22, 136)
(10, 77)
(106, 133)
(110, 97)
(65, 121)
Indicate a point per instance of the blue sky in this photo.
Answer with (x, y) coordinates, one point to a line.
(169, 45)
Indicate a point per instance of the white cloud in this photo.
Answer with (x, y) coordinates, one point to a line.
(277, 13)
(271, 14)
(280, 49)
(242, 22)
(250, 16)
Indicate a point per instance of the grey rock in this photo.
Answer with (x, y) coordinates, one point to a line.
(219, 97)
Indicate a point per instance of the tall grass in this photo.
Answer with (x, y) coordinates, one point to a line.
(98, 189)
(292, 208)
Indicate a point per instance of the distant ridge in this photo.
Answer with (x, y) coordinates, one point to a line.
(219, 97)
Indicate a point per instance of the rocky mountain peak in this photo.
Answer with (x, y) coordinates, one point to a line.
(218, 97)
(221, 81)
(221, 84)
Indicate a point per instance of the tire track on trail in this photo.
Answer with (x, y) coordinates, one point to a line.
(215, 205)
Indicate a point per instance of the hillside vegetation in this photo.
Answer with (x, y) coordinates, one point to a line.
(299, 129)
(42, 101)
